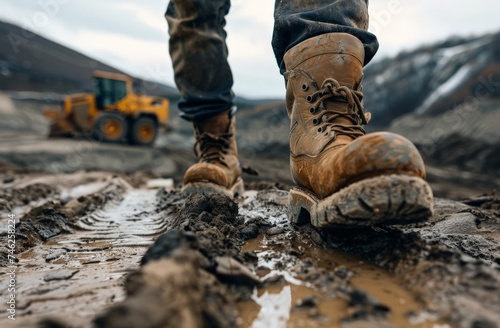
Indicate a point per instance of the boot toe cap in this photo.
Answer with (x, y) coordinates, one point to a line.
(369, 156)
(206, 172)
(383, 152)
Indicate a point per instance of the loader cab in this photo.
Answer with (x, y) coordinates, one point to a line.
(110, 88)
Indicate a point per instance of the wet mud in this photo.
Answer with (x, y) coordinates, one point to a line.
(256, 270)
(97, 249)
(451, 263)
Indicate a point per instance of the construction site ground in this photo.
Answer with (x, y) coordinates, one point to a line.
(100, 241)
(103, 237)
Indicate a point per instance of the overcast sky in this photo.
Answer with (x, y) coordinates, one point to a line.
(132, 35)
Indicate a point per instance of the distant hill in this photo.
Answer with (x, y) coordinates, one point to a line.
(444, 97)
(30, 62)
(433, 79)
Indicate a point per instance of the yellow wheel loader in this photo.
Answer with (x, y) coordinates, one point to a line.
(113, 113)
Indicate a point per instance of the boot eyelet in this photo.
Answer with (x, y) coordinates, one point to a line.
(312, 110)
(309, 99)
(304, 87)
(315, 121)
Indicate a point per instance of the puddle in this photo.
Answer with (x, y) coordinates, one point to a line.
(276, 306)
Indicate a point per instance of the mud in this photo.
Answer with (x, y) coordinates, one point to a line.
(187, 264)
(99, 249)
(451, 263)
(80, 250)
(12, 198)
(51, 218)
(296, 282)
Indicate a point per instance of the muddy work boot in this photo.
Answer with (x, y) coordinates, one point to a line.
(343, 176)
(218, 169)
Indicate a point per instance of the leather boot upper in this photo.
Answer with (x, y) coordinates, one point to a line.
(328, 146)
(216, 151)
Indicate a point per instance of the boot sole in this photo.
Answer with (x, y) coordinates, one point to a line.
(237, 189)
(385, 200)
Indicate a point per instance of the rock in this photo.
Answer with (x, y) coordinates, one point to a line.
(233, 271)
(275, 231)
(251, 231)
(308, 302)
(55, 254)
(60, 275)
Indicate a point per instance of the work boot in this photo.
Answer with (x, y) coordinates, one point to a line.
(218, 168)
(343, 176)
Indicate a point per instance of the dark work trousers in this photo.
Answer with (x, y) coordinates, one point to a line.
(199, 51)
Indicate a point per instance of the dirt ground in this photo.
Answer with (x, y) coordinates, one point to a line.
(104, 238)
(100, 249)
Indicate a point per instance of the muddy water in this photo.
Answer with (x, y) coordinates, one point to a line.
(276, 306)
(281, 254)
(82, 272)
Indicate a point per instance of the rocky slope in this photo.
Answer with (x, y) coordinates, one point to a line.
(432, 80)
(445, 98)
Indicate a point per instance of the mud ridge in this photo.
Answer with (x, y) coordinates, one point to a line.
(185, 264)
(11, 198)
(53, 217)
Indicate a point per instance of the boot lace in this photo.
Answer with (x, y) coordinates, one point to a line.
(212, 147)
(331, 89)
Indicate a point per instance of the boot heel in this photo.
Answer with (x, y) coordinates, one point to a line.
(302, 206)
(238, 189)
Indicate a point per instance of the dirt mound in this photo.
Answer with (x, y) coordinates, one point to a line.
(486, 202)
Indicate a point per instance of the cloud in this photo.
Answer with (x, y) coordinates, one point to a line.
(427, 21)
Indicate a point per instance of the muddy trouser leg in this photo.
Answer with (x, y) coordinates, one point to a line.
(199, 55)
(299, 20)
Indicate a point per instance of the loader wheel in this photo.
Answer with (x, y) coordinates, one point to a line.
(111, 127)
(144, 132)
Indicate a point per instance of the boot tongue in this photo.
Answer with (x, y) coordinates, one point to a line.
(341, 107)
(346, 76)
(214, 126)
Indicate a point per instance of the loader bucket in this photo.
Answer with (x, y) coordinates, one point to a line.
(60, 124)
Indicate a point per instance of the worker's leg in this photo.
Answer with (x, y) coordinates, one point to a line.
(199, 55)
(202, 74)
(298, 20)
(343, 175)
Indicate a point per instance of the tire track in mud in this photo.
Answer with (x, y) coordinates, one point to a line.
(129, 222)
(79, 272)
